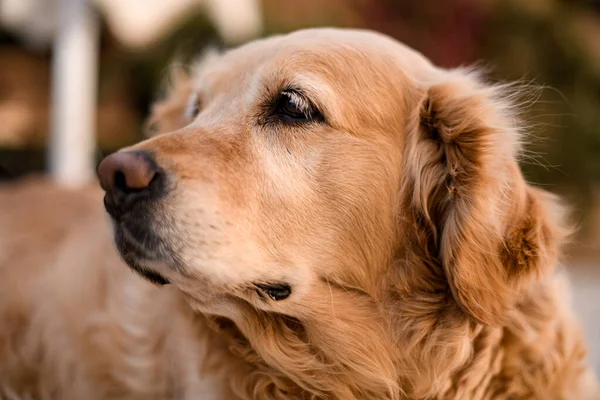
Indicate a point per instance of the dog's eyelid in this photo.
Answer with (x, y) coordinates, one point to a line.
(301, 97)
(300, 101)
(297, 98)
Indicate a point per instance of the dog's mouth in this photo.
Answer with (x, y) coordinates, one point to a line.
(137, 252)
(151, 276)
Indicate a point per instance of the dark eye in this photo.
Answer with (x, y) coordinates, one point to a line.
(193, 107)
(276, 291)
(295, 108)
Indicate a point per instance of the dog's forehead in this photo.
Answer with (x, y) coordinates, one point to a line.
(328, 51)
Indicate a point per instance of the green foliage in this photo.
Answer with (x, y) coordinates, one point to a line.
(547, 48)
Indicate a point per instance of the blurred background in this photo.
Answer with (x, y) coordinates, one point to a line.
(77, 78)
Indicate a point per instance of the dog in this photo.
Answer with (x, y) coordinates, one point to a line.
(319, 215)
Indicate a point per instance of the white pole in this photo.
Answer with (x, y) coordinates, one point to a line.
(74, 89)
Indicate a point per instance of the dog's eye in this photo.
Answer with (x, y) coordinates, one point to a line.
(276, 291)
(193, 107)
(295, 108)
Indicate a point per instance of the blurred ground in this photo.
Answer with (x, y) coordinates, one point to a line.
(585, 280)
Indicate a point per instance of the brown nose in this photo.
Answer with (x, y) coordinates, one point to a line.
(127, 177)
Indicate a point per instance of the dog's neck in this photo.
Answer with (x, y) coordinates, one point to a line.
(364, 348)
(391, 348)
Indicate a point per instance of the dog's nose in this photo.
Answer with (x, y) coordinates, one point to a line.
(127, 177)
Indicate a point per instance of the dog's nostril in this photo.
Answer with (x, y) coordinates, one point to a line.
(120, 183)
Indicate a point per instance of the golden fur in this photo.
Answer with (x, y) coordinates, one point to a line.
(422, 265)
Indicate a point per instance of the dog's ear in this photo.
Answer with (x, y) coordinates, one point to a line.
(169, 112)
(488, 231)
(177, 106)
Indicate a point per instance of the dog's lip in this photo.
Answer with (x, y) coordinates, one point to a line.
(134, 246)
(136, 263)
(110, 208)
(136, 257)
(151, 276)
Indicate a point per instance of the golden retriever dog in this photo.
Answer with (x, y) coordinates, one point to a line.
(321, 215)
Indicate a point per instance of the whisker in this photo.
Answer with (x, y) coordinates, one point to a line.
(331, 295)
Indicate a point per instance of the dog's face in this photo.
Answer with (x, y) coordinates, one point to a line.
(283, 173)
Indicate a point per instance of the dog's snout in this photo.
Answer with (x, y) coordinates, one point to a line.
(128, 177)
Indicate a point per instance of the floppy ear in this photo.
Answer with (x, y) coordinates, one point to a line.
(486, 228)
(169, 112)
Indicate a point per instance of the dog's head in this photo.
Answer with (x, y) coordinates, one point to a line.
(277, 164)
(337, 178)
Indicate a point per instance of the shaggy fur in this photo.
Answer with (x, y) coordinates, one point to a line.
(422, 265)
